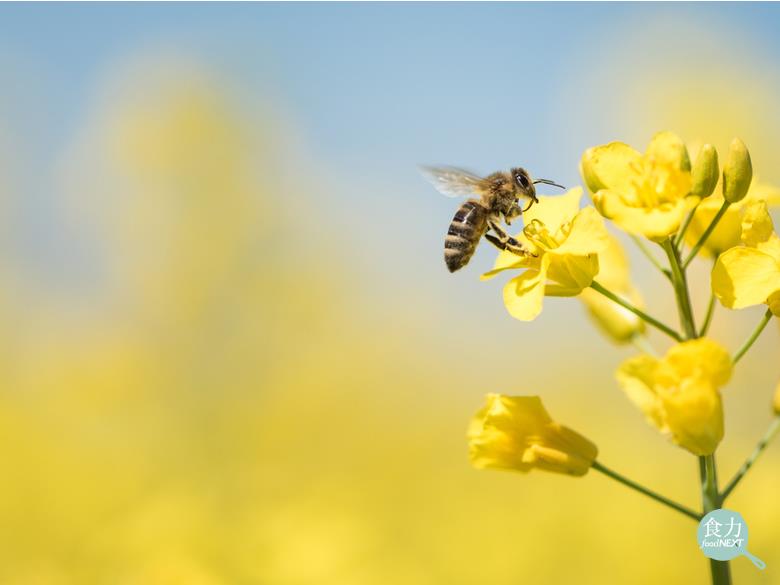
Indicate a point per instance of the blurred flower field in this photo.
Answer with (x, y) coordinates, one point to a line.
(211, 376)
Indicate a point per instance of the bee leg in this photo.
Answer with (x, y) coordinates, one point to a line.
(507, 242)
(495, 241)
(514, 212)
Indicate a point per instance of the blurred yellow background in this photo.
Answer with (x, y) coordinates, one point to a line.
(231, 351)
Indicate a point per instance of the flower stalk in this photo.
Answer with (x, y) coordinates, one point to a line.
(680, 284)
(753, 336)
(638, 312)
(708, 316)
(711, 500)
(651, 257)
(643, 490)
(770, 434)
(710, 228)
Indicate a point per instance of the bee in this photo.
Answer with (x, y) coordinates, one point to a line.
(498, 198)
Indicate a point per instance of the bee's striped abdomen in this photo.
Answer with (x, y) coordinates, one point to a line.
(467, 227)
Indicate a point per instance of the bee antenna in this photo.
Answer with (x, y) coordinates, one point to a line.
(548, 182)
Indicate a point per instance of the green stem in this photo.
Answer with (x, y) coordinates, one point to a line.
(774, 427)
(706, 234)
(708, 316)
(650, 256)
(753, 336)
(639, 313)
(680, 290)
(711, 500)
(643, 490)
(681, 234)
(640, 342)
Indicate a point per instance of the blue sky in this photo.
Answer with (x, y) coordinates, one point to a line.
(372, 90)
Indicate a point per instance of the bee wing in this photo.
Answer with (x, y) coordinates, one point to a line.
(452, 181)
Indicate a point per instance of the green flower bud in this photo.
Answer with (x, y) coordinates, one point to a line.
(705, 172)
(737, 172)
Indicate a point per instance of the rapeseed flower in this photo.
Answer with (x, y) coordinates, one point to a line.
(750, 274)
(679, 393)
(644, 194)
(565, 242)
(728, 231)
(516, 433)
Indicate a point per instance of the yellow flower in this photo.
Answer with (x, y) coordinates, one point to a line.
(776, 402)
(646, 194)
(749, 275)
(566, 242)
(729, 229)
(616, 322)
(516, 433)
(678, 393)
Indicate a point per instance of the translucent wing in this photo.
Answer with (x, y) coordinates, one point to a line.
(452, 181)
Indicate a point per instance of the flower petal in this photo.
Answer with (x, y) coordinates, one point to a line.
(743, 277)
(758, 231)
(694, 415)
(655, 223)
(507, 260)
(524, 294)
(725, 235)
(587, 234)
(554, 211)
(571, 273)
(667, 148)
(637, 378)
(608, 166)
(701, 358)
(613, 266)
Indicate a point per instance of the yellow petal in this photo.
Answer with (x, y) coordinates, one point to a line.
(571, 273)
(701, 358)
(667, 148)
(516, 433)
(613, 266)
(758, 231)
(587, 234)
(554, 211)
(655, 223)
(637, 378)
(507, 260)
(725, 235)
(609, 166)
(694, 416)
(524, 294)
(743, 277)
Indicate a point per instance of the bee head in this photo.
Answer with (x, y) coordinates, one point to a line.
(524, 186)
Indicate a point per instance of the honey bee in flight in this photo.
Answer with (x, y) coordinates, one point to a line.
(498, 198)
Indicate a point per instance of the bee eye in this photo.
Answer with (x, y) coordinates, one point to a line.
(522, 180)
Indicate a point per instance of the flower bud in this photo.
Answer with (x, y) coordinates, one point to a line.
(705, 172)
(737, 172)
(776, 402)
(588, 171)
(616, 322)
(516, 433)
(773, 302)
